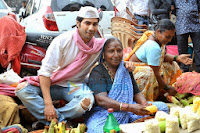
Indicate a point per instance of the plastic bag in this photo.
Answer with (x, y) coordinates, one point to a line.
(9, 78)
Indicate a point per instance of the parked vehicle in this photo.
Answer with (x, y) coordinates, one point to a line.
(5, 10)
(60, 16)
(45, 20)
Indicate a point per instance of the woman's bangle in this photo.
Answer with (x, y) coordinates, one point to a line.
(175, 57)
(166, 87)
(120, 106)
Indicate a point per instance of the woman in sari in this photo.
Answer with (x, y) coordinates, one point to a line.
(156, 70)
(114, 87)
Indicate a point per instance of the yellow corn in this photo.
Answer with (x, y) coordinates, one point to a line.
(153, 109)
(196, 104)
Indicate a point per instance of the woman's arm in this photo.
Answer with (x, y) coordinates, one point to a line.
(183, 58)
(171, 90)
(104, 101)
(140, 99)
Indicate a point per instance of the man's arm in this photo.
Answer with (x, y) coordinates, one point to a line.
(49, 110)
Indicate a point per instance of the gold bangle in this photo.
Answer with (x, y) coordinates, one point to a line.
(120, 106)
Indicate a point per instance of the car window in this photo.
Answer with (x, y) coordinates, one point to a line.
(2, 5)
(72, 5)
(29, 8)
(36, 6)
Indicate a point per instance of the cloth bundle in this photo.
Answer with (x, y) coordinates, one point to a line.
(188, 83)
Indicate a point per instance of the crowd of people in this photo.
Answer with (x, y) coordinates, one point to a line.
(126, 85)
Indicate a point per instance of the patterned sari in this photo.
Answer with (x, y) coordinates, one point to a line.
(144, 75)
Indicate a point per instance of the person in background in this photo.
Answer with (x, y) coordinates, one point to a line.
(155, 70)
(160, 9)
(22, 10)
(138, 11)
(187, 24)
(114, 87)
(121, 8)
(68, 60)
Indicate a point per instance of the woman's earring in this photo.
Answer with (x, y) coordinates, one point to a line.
(103, 56)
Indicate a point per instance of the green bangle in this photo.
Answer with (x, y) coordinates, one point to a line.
(175, 57)
(166, 87)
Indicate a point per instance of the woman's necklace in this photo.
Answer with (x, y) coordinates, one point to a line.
(109, 72)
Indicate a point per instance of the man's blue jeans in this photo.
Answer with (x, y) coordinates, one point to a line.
(31, 97)
(142, 20)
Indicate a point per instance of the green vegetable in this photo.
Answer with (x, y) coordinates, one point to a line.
(184, 102)
(162, 126)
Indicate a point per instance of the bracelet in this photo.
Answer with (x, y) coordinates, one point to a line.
(166, 87)
(124, 107)
(120, 106)
(175, 57)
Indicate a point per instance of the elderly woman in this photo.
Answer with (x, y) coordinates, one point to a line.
(156, 70)
(114, 87)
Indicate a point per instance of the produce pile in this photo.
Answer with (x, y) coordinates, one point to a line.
(183, 100)
(61, 127)
(187, 117)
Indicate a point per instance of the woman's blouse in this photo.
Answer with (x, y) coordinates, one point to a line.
(100, 80)
(149, 53)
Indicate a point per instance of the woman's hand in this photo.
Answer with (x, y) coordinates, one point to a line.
(50, 112)
(138, 109)
(184, 58)
(172, 91)
(129, 66)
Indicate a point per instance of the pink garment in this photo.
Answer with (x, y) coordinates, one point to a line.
(7, 90)
(86, 50)
(188, 83)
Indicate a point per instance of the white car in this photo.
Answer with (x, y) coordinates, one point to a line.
(60, 15)
(5, 10)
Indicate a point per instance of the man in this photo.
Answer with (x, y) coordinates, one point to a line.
(187, 23)
(138, 11)
(160, 9)
(68, 60)
(22, 9)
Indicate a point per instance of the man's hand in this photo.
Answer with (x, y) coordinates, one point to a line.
(134, 20)
(129, 66)
(138, 109)
(184, 58)
(50, 112)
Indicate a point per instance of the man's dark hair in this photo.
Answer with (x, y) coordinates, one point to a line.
(164, 24)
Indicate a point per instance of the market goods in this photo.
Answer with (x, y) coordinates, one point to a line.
(172, 124)
(175, 111)
(152, 126)
(196, 104)
(193, 122)
(56, 127)
(183, 117)
(153, 109)
(161, 116)
(162, 126)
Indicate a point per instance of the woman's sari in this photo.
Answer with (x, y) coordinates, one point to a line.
(144, 75)
(122, 91)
